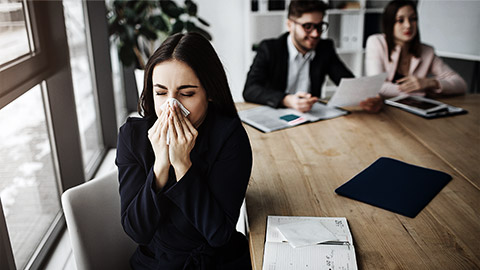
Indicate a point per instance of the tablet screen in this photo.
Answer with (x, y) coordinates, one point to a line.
(417, 103)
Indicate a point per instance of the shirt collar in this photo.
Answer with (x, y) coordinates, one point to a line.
(293, 53)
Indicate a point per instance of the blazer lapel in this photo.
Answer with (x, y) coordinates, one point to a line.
(283, 62)
(315, 76)
(414, 62)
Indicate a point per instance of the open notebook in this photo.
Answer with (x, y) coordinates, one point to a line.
(268, 119)
(308, 243)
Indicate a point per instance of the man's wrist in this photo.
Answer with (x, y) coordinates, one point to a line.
(286, 101)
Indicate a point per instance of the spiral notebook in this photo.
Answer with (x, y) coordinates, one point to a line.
(395, 186)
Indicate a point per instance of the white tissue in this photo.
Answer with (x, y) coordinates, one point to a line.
(170, 102)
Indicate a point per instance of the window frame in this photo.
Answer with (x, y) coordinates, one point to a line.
(20, 75)
(28, 69)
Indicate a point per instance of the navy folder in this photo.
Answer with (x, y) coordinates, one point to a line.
(395, 186)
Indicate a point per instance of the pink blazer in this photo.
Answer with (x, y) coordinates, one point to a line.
(376, 61)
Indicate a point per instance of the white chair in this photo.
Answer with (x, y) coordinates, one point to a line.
(92, 212)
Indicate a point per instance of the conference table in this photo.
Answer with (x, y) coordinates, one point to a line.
(296, 171)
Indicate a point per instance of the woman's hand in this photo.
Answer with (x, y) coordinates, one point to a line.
(372, 105)
(182, 141)
(157, 135)
(411, 84)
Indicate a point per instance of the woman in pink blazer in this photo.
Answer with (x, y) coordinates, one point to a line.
(411, 67)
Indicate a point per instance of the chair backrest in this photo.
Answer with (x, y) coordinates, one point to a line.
(92, 212)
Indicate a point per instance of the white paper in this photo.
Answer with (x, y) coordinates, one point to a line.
(337, 225)
(280, 255)
(306, 233)
(352, 91)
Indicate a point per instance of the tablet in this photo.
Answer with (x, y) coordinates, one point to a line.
(419, 103)
(423, 106)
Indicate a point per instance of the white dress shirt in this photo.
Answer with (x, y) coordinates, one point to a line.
(298, 69)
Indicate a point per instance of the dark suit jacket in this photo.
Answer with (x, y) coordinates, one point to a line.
(267, 79)
(189, 224)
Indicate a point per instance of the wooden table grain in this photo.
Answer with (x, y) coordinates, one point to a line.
(296, 171)
(454, 139)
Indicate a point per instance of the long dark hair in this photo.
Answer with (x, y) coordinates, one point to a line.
(197, 52)
(388, 22)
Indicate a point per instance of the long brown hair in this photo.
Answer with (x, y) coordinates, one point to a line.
(388, 22)
(197, 52)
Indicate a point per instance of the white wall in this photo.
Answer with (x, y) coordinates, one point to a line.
(228, 22)
(451, 26)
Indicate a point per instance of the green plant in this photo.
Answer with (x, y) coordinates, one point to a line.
(139, 26)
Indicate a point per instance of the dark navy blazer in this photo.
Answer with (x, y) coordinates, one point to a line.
(267, 79)
(189, 224)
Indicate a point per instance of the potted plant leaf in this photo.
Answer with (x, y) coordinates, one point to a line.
(138, 27)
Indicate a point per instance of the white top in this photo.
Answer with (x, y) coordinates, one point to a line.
(298, 69)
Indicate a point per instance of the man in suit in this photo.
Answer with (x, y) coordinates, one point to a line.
(289, 71)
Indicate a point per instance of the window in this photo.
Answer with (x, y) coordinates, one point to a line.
(85, 94)
(118, 87)
(120, 98)
(55, 121)
(28, 184)
(14, 31)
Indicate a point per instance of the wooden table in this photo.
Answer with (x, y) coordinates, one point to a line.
(456, 140)
(296, 171)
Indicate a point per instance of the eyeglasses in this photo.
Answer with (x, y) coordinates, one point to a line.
(308, 27)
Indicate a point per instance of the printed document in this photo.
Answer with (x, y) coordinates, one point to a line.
(352, 91)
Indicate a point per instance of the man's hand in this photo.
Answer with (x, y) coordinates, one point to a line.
(372, 105)
(301, 101)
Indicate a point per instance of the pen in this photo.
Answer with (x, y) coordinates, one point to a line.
(335, 243)
(343, 243)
